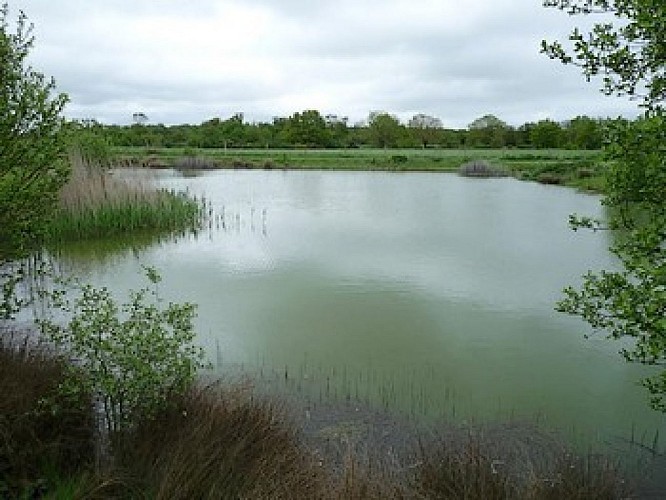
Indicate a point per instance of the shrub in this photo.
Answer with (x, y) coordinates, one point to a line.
(133, 356)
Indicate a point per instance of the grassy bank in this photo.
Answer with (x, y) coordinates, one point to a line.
(225, 441)
(580, 169)
(95, 203)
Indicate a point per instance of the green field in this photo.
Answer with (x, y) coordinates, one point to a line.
(581, 169)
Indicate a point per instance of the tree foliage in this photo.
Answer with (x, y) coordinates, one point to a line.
(306, 129)
(629, 53)
(488, 131)
(32, 169)
(487, 121)
(384, 130)
(584, 133)
(546, 134)
(631, 302)
(426, 128)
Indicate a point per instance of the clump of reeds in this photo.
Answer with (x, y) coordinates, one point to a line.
(465, 472)
(95, 203)
(214, 443)
(514, 461)
(195, 163)
(481, 168)
(43, 432)
(580, 478)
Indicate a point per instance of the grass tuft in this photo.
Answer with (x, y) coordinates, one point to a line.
(43, 433)
(216, 443)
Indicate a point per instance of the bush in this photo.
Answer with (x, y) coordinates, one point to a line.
(133, 357)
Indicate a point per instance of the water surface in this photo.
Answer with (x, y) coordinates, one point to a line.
(431, 293)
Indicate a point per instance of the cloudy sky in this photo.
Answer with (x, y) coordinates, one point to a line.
(182, 61)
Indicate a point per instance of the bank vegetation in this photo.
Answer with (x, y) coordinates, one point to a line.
(227, 441)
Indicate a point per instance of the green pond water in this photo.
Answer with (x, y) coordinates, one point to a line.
(431, 294)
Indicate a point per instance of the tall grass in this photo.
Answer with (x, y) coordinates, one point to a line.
(225, 443)
(481, 168)
(515, 460)
(43, 433)
(219, 443)
(95, 203)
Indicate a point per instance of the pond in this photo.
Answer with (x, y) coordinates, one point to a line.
(431, 294)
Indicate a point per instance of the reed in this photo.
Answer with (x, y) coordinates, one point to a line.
(219, 443)
(95, 203)
(514, 460)
(481, 168)
(195, 163)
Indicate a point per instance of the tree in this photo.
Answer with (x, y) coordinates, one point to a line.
(384, 130)
(425, 128)
(338, 131)
(89, 140)
(546, 134)
(32, 169)
(486, 121)
(212, 133)
(488, 131)
(631, 302)
(630, 57)
(307, 129)
(584, 133)
(233, 130)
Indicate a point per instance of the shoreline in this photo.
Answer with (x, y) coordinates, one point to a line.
(580, 169)
(520, 448)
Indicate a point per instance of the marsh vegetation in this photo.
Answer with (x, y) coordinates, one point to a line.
(96, 204)
(226, 441)
(575, 168)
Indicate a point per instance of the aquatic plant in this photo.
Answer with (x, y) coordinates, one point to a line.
(481, 168)
(194, 163)
(95, 203)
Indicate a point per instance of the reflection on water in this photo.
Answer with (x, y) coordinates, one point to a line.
(430, 293)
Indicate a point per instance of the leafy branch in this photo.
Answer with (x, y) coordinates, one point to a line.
(134, 354)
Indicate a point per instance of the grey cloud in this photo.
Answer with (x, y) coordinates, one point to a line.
(441, 57)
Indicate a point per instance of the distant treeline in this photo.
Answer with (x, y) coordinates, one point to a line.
(309, 129)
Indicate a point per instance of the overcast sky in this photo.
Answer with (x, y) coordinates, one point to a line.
(182, 61)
